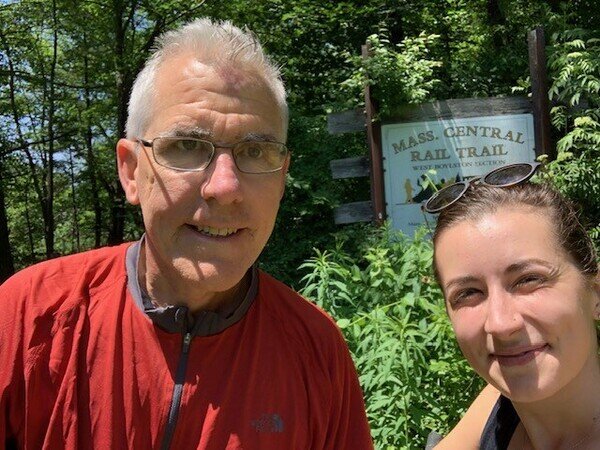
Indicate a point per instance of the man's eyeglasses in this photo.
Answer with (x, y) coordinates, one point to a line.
(504, 176)
(192, 154)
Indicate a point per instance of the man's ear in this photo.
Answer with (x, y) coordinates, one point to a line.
(127, 165)
(284, 171)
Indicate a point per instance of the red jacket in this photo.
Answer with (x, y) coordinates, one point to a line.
(82, 366)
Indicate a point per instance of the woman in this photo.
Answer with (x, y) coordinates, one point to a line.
(520, 279)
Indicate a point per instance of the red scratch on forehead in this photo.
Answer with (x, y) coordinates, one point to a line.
(234, 78)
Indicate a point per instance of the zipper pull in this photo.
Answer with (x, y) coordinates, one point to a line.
(187, 339)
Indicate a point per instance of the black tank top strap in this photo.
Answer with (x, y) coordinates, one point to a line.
(500, 426)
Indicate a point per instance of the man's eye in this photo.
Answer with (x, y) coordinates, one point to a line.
(188, 144)
(254, 151)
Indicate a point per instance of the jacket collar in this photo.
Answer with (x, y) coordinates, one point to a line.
(177, 318)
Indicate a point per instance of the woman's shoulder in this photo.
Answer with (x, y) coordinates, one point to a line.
(469, 430)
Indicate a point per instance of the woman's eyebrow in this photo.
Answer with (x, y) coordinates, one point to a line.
(528, 264)
(459, 281)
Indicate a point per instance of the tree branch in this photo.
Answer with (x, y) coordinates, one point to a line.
(26, 145)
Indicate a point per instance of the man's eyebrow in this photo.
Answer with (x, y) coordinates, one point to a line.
(195, 132)
(201, 133)
(259, 137)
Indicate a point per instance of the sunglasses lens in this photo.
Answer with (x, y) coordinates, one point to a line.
(507, 176)
(445, 197)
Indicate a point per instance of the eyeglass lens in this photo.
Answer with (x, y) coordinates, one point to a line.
(196, 154)
(182, 153)
(259, 156)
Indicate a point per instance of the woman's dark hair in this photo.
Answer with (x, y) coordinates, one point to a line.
(481, 199)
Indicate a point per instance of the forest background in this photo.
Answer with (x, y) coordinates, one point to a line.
(66, 69)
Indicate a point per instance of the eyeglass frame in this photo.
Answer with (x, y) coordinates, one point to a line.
(214, 146)
(534, 166)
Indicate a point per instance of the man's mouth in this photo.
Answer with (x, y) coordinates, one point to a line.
(215, 232)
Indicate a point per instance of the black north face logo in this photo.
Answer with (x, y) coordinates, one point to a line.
(268, 423)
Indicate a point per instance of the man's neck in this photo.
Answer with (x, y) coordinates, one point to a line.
(163, 292)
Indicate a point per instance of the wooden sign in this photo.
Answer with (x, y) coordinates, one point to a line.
(445, 151)
(445, 141)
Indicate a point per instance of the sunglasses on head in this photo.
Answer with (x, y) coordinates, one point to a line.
(504, 176)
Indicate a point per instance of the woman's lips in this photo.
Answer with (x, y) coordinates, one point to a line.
(518, 357)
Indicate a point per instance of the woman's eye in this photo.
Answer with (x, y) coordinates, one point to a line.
(530, 281)
(464, 296)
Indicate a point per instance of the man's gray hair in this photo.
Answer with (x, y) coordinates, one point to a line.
(213, 43)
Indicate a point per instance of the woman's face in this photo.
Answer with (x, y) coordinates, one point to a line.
(522, 312)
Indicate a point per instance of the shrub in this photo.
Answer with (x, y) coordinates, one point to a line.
(399, 74)
(392, 314)
(574, 62)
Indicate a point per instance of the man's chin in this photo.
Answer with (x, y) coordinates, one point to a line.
(210, 277)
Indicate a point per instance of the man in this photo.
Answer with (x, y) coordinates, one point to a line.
(178, 341)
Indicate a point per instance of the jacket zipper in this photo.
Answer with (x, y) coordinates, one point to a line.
(177, 391)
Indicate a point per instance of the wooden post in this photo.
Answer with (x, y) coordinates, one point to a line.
(539, 93)
(374, 142)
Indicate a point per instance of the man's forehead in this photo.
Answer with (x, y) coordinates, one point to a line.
(197, 98)
(234, 77)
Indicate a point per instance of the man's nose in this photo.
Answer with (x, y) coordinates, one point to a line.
(503, 315)
(222, 182)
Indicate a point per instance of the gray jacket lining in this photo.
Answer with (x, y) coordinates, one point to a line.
(176, 318)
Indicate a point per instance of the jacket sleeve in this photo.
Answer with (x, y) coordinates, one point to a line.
(12, 299)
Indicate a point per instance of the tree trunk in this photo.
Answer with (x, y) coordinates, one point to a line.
(32, 255)
(48, 201)
(22, 142)
(127, 67)
(7, 267)
(496, 17)
(75, 244)
(91, 163)
(117, 212)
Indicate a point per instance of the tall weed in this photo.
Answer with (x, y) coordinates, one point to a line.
(392, 313)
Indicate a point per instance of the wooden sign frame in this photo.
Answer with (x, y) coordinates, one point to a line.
(364, 120)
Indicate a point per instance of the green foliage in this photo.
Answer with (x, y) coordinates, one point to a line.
(447, 49)
(574, 62)
(306, 214)
(399, 74)
(392, 314)
(486, 44)
(378, 285)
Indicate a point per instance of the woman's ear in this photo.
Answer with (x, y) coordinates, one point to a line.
(595, 286)
(127, 165)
